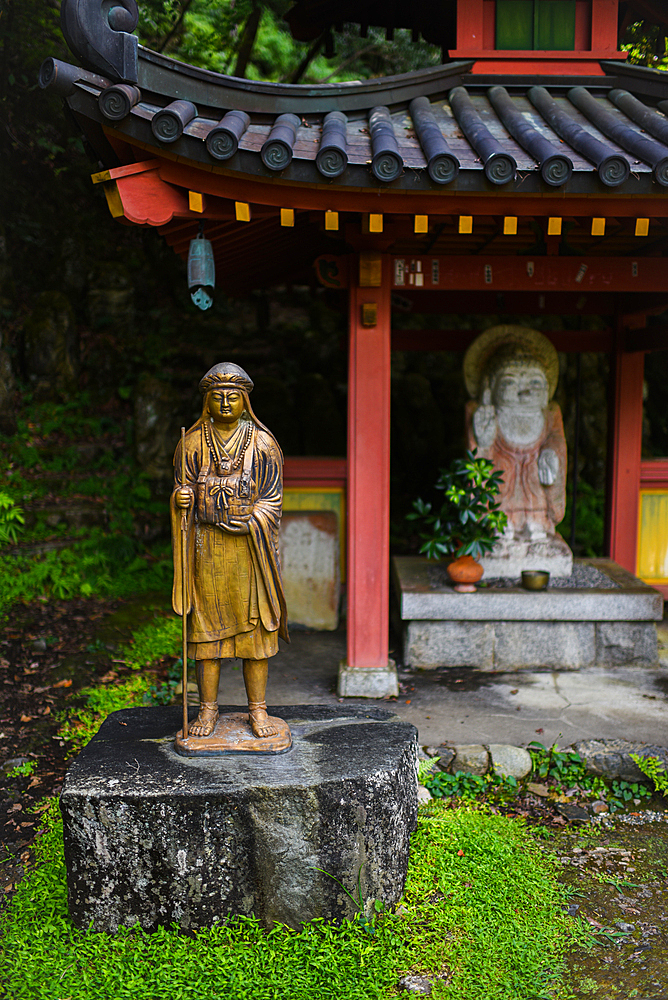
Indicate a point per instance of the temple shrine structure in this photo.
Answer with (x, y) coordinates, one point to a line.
(527, 174)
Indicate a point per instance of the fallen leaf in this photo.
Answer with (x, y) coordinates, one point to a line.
(460, 853)
(8, 888)
(514, 691)
(35, 781)
(16, 808)
(538, 730)
(27, 718)
(64, 684)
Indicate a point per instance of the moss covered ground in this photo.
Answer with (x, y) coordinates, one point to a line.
(483, 917)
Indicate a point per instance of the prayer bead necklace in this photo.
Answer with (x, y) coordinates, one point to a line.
(227, 465)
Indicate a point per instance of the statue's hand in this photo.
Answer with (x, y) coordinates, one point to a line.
(484, 425)
(237, 526)
(548, 467)
(184, 497)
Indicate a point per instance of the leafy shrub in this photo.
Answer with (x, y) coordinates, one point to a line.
(469, 520)
(11, 519)
(471, 786)
(655, 771)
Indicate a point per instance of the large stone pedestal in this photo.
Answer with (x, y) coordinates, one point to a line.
(153, 838)
(507, 628)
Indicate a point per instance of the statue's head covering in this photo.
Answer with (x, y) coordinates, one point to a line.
(226, 375)
(503, 343)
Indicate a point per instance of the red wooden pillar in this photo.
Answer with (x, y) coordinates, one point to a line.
(368, 671)
(624, 455)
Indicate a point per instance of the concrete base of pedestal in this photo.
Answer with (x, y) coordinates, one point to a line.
(153, 838)
(565, 628)
(368, 682)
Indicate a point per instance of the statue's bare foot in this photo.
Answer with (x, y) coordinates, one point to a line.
(206, 720)
(259, 720)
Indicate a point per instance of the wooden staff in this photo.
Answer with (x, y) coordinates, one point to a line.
(184, 588)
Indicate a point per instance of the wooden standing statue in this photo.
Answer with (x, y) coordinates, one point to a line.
(230, 488)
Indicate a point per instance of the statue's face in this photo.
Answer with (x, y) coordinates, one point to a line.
(520, 386)
(226, 405)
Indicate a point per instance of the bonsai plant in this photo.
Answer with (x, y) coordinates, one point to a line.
(469, 520)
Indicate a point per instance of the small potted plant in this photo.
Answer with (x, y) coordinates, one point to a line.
(469, 520)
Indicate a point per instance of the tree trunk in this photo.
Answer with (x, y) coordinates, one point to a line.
(247, 41)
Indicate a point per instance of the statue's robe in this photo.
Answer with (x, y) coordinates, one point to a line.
(234, 591)
(523, 498)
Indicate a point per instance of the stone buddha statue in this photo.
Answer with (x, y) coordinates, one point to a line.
(511, 372)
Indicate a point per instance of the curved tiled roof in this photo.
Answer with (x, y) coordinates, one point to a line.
(436, 129)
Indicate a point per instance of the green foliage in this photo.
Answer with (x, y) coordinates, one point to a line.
(568, 770)
(100, 564)
(110, 561)
(22, 770)
(654, 770)
(212, 33)
(80, 724)
(426, 769)
(646, 44)
(161, 637)
(566, 767)
(360, 918)
(483, 916)
(11, 517)
(469, 521)
(565, 770)
(472, 786)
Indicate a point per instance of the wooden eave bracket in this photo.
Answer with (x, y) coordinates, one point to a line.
(137, 192)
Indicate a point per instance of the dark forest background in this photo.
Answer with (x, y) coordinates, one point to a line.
(101, 348)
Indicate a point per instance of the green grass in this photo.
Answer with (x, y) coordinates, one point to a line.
(82, 722)
(482, 908)
(491, 909)
(161, 637)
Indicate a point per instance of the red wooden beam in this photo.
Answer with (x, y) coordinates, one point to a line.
(654, 473)
(524, 303)
(285, 194)
(309, 470)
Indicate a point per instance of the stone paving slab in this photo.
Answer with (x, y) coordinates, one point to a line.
(468, 706)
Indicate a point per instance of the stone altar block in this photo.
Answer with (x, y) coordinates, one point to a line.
(610, 623)
(153, 838)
